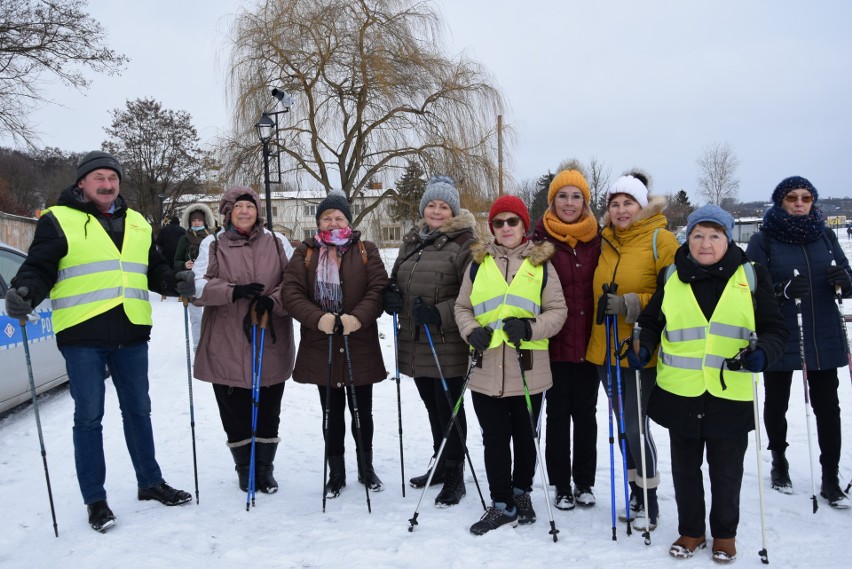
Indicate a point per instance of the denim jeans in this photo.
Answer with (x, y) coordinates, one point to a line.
(129, 368)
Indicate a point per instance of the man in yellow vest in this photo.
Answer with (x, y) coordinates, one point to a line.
(96, 259)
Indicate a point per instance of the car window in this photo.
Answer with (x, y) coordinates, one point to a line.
(10, 262)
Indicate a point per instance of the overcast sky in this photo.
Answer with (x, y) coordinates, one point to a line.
(647, 84)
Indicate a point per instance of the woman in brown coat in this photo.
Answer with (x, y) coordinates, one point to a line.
(514, 299)
(243, 266)
(334, 286)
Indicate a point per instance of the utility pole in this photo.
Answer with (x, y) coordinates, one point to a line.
(500, 155)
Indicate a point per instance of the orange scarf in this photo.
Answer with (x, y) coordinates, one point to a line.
(583, 230)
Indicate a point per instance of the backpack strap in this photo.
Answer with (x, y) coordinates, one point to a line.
(654, 243)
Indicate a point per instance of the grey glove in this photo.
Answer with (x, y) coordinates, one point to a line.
(185, 283)
(18, 306)
(615, 304)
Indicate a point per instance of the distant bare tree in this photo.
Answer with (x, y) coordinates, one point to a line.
(717, 173)
(372, 89)
(46, 39)
(598, 179)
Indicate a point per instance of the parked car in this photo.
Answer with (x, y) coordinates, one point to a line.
(47, 362)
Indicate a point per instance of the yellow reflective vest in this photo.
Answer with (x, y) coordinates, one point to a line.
(94, 276)
(693, 349)
(493, 299)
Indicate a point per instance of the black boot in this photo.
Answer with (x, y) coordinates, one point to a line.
(453, 489)
(366, 474)
(242, 456)
(264, 455)
(780, 473)
(831, 491)
(438, 478)
(336, 476)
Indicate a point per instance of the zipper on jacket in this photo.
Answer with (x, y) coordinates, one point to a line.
(813, 311)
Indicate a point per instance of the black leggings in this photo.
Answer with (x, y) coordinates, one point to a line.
(235, 411)
(336, 420)
(432, 393)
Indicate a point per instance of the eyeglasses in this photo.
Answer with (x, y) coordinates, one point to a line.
(793, 198)
(511, 222)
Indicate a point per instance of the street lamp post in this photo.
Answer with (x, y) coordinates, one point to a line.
(265, 127)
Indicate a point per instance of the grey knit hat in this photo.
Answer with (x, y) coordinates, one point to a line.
(440, 188)
(335, 199)
(713, 214)
(97, 159)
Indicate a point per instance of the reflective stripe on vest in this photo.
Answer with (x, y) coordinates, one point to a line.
(693, 350)
(493, 299)
(94, 276)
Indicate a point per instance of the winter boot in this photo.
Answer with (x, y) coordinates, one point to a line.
(438, 478)
(242, 457)
(366, 474)
(523, 503)
(564, 498)
(264, 455)
(453, 489)
(780, 473)
(336, 476)
(584, 496)
(494, 517)
(831, 491)
(653, 512)
(101, 517)
(635, 504)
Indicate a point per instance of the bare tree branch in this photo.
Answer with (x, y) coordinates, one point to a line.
(717, 173)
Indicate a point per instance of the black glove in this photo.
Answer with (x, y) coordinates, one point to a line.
(185, 283)
(797, 287)
(837, 276)
(425, 314)
(262, 305)
(18, 306)
(640, 361)
(247, 291)
(517, 329)
(480, 338)
(754, 360)
(392, 298)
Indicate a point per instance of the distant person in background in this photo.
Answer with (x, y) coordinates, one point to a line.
(849, 231)
(201, 223)
(167, 239)
(794, 235)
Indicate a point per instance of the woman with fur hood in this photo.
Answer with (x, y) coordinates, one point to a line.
(635, 247)
(239, 269)
(425, 282)
(509, 304)
(199, 221)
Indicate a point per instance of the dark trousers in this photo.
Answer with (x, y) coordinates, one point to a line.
(439, 410)
(822, 387)
(506, 433)
(573, 397)
(337, 422)
(235, 404)
(725, 457)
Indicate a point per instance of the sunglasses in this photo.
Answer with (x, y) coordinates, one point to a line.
(791, 198)
(511, 222)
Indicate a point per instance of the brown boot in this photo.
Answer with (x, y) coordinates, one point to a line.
(724, 549)
(686, 546)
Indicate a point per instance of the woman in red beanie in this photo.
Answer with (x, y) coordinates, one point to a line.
(506, 319)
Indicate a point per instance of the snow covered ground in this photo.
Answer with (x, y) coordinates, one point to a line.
(289, 529)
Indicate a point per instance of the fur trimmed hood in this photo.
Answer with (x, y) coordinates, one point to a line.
(209, 218)
(655, 206)
(538, 253)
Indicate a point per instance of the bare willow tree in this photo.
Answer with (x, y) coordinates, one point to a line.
(46, 39)
(372, 89)
(717, 173)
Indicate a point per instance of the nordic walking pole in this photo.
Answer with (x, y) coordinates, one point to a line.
(838, 294)
(764, 556)
(23, 323)
(398, 401)
(455, 418)
(189, 383)
(807, 396)
(357, 418)
(325, 421)
(607, 363)
(637, 331)
(257, 366)
(622, 433)
(473, 361)
(541, 465)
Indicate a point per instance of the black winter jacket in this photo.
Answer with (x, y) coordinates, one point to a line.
(40, 269)
(707, 415)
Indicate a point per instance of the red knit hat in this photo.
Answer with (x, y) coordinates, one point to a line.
(509, 204)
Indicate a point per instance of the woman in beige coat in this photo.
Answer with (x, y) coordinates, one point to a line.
(511, 296)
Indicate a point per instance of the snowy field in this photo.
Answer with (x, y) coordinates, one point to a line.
(289, 529)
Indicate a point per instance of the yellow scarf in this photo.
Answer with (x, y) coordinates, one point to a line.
(583, 230)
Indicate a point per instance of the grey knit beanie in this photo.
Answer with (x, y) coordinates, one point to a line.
(441, 188)
(335, 199)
